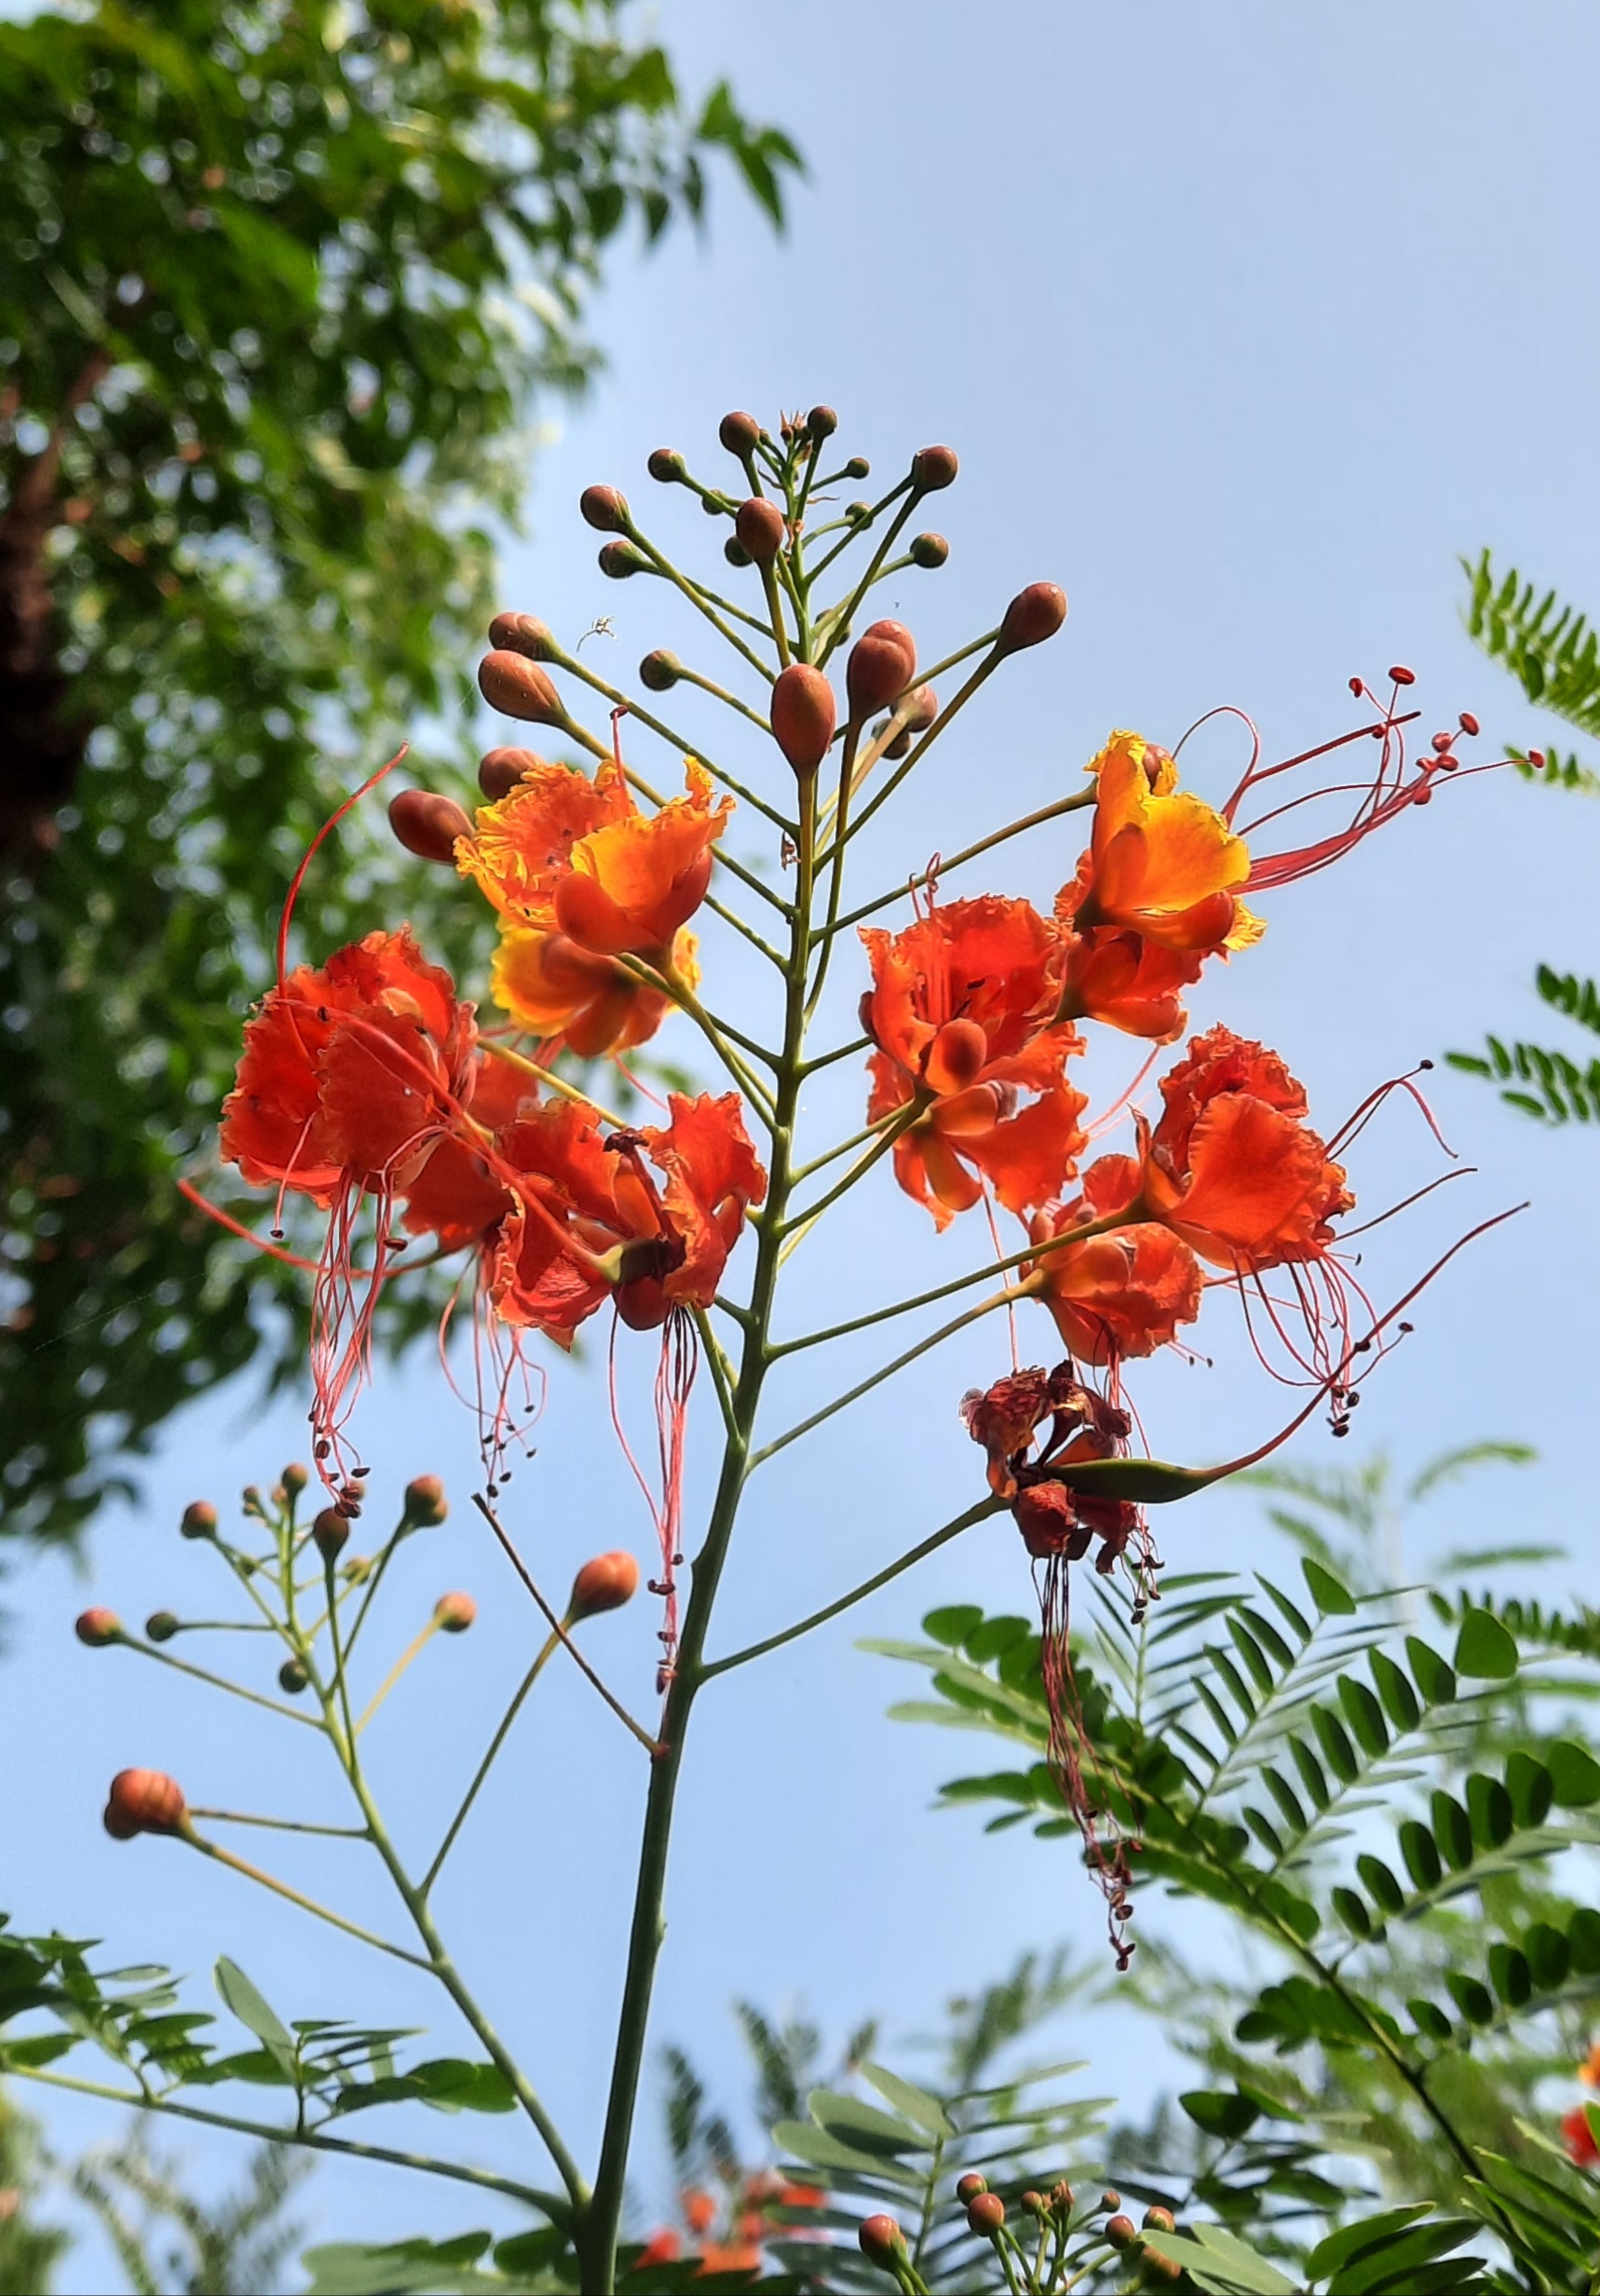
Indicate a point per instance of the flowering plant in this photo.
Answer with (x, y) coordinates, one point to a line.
(396, 1114)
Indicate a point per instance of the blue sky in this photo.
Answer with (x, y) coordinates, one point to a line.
(1246, 324)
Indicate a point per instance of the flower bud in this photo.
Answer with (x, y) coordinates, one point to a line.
(428, 825)
(199, 1521)
(667, 465)
(99, 1628)
(986, 2213)
(330, 1531)
(425, 1503)
(822, 423)
(294, 1478)
(733, 549)
(857, 468)
(356, 1570)
(858, 512)
(761, 529)
(604, 1582)
(1121, 2231)
(1159, 2219)
(522, 633)
(970, 2186)
(1034, 2204)
(739, 433)
(293, 1677)
(604, 509)
(803, 716)
(933, 468)
(918, 715)
(882, 663)
(882, 2242)
(929, 550)
(500, 770)
(161, 1625)
(453, 1613)
(1061, 2197)
(660, 671)
(1109, 2200)
(1034, 614)
(518, 687)
(144, 1801)
(618, 560)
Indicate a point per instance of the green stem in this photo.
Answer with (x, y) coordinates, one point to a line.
(306, 1905)
(219, 1682)
(1077, 803)
(675, 740)
(426, 1885)
(281, 1825)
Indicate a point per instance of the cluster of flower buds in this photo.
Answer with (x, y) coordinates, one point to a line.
(1059, 2243)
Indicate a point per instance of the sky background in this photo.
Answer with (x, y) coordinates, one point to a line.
(1247, 325)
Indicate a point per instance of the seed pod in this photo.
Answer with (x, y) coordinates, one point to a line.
(518, 687)
(660, 671)
(761, 529)
(803, 716)
(929, 550)
(739, 433)
(882, 663)
(293, 1677)
(968, 2187)
(933, 468)
(1034, 614)
(144, 1801)
(453, 1613)
(881, 2240)
(199, 1521)
(604, 1582)
(427, 824)
(329, 1532)
(618, 560)
(822, 423)
(424, 1503)
(1121, 2231)
(500, 770)
(161, 1625)
(522, 633)
(667, 465)
(604, 509)
(986, 2213)
(99, 1628)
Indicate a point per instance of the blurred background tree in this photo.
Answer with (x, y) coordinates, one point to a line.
(284, 282)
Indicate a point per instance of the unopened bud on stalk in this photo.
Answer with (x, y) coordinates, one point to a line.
(356, 1570)
(144, 1801)
(604, 509)
(739, 433)
(660, 671)
(1034, 614)
(922, 710)
(618, 560)
(882, 2242)
(803, 711)
(858, 512)
(424, 1503)
(199, 1520)
(929, 550)
(667, 465)
(500, 770)
(453, 1613)
(294, 1478)
(161, 1625)
(933, 468)
(329, 1532)
(428, 825)
(1159, 2219)
(857, 468)
(518, 687)
(1110, 2199)
(1061, 2197)
(761, 528)
(733, 549)
(986, 2213)
(522, 633)
(604, 1582)
(822, 423)
(1121, 2232)
(882, 664)
(293, 1677)
(99, 1628)
(968, 2187)
(1033, 2204)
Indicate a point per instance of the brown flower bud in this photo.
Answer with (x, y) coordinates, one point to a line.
(329, 1532)
(144, 1801)
(881, 2240)
(857, 468)
(822, 423)
(660, 671)
(1061, 2197)
(293, 1677)
(803, 711)
(1109, 2200)
(858, 512)
(522, 633)
(739, 433)
(161, 1625)
(968, 2187)
(199, 1520)
(1034, 614)
(933, 468)
(617, 561)
(604, 1582)
(986, 2213)
(518, 687)
(294, 1478)
(1158, 2220)
(1033, 2204)
(667, 465)
(428, 825)
(761, 529)
(453, 1613)
(920, 712)
(882, 663)
(99, 1628)
(604, 509)
(500, 770)
(1121, 2231)
(929, 550)
(424, 1503)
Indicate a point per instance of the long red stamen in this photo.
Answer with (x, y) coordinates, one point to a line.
(299, 877)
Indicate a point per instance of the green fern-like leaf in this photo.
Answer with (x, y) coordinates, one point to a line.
(1548, 648)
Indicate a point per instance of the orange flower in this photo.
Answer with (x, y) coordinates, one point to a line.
(550, 985)
(962, 1009)
(670, 1240)
(728, 2256)
(1161, 862)
(1581, 2148)
(562, 853)
(699, 2211)
(1118, 1295)
(455, 1197)
(1121, 978)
